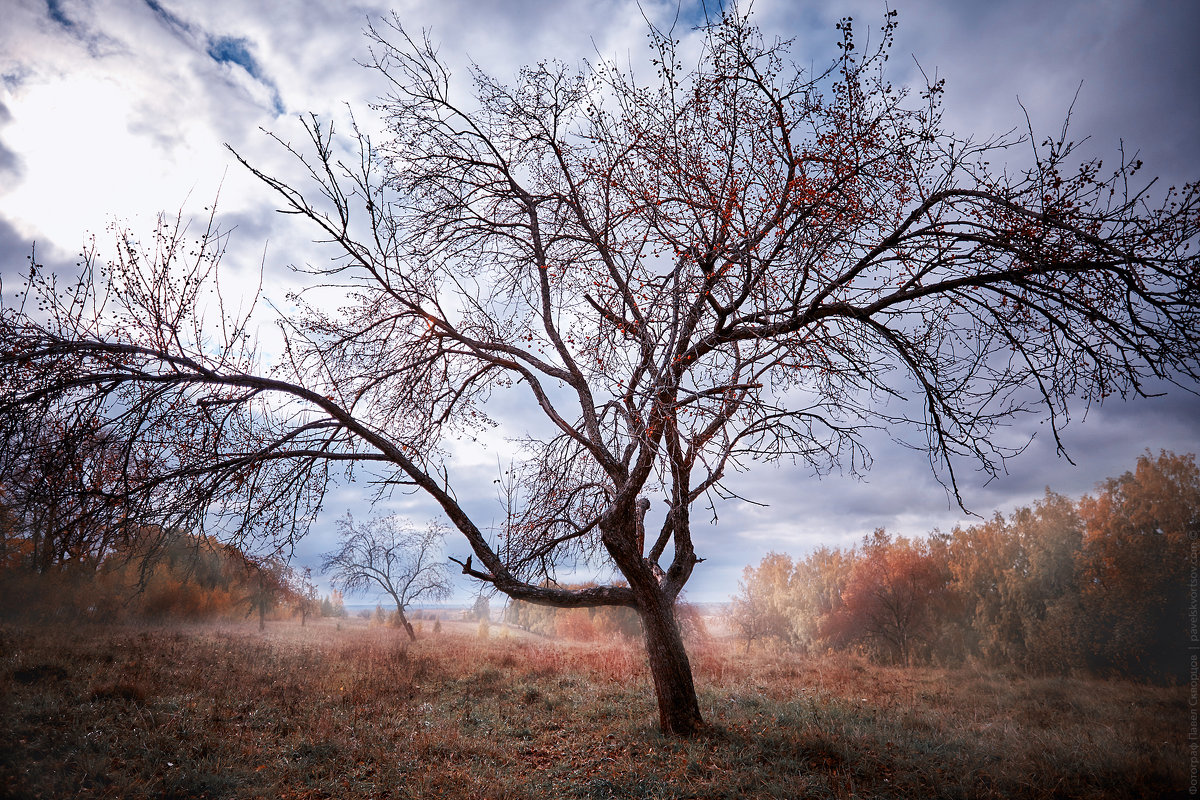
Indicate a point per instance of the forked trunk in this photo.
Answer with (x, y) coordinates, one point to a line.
(678, 707)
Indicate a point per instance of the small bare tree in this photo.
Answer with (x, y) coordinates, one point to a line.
(306, 601)
(390, 554)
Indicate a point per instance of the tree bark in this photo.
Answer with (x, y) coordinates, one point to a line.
(678, 706)
(412, 635)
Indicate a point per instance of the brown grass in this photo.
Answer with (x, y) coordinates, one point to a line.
(351, 711)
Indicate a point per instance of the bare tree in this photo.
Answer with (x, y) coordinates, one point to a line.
(392, 555)
(270, 582)
(740, 262)
(304, 592)
(54, 479)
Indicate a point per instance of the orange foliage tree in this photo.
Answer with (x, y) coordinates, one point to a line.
(762, 607)
(895, 598)
(1140, 534)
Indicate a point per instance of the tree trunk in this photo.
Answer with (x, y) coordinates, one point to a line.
(412, 635)
(678, 707)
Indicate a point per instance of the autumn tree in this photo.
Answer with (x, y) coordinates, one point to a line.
(332, 605)
(740, 261)
(389, 554)
(894, 598)
(1140, 531)
(1045, 583)
(986, 562)
(762, 608)
(818, 583)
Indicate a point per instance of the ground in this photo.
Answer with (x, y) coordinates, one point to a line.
(341, 709)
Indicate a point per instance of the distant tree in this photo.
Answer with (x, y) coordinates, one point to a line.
(389, 554)
(304, 591)
(1140, 535)
(742, 261)
(894, 598)
(269, 581)
(532, 617)
(762, 608)
(481, 609)
(987, 563)
(818, 582)
(1045, 584)
(611, 621)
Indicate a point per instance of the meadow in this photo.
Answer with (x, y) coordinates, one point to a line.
(339, 709)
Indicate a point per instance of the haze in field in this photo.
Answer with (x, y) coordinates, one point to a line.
(119, 110)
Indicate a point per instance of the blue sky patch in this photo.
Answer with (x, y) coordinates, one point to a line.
(236, 50)
(55, 9)
(228, 50)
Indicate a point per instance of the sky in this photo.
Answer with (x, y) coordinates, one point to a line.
(112, 111)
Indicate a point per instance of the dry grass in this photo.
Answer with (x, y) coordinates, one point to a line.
(351, 712)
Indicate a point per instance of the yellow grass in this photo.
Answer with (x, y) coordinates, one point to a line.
(346, 710)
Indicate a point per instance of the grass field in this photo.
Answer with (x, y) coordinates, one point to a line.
(348, 711)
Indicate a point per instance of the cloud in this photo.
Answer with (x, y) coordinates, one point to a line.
(236, 52)
(10, 162)
(175, 23)
(225, 50)
(110, 108)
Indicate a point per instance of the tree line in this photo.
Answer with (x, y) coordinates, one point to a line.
(1096, 585)
(148, 573)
